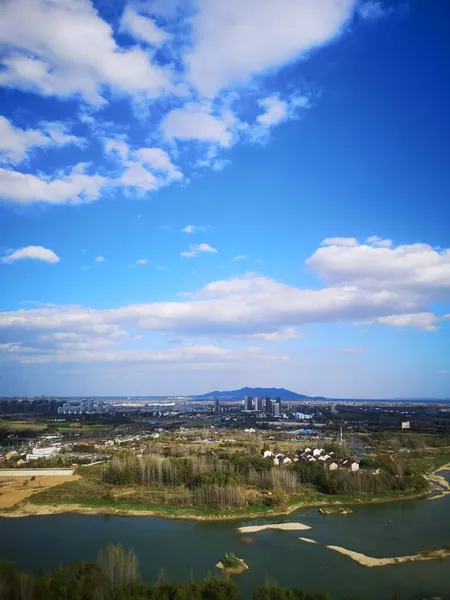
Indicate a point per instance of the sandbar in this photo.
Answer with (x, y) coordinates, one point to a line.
(370, 561)
(309, 540)
(281, 526)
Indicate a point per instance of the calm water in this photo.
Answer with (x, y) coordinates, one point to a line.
(186, 548)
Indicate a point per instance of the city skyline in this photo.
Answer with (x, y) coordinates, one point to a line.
(203, 195)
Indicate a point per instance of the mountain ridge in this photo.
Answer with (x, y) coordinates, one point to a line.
(282, 393)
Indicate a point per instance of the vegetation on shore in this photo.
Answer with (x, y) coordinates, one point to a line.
(226, 481)
(232, 565)
(116, 577)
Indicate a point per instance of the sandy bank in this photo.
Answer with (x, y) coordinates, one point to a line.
(309, 540)
(370, 561)
(15, 490)
(281, 526)
(440, 483)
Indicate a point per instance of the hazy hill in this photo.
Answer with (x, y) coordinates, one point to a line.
(255, 392)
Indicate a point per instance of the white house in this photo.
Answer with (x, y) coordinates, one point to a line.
(354, 466)
(42, 452)
(322, 458)
(276, 461)
(287, 460)
(317, 452)
(307, 450)
(333, 466)
(267, 453)
(311, 459)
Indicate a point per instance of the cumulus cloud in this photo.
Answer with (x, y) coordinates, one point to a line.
(340, 241)
(142, 28)
(158, 160)
(372, 10)
(249, 307)
(72, 188)
(99, 259)
(236, 40)
(142, 261)
(193, 228)
(65, 49)
(426, 321)
(117, 146)
(196, 122)
(417, 269)
(196, 249)
(240, 257)
(34, 252)
(15, 143)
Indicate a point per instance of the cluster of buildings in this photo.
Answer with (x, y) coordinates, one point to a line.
(313, 455)
(271, 407)
(88, 406)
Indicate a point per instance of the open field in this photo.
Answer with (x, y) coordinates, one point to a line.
(16, 489)
(11, 425)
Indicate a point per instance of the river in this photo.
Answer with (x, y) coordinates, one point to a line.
(190, 548)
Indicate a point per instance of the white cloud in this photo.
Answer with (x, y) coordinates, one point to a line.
(251, 307)
(158, 160)
(64, 48)
(352, 350)
(375, 240)
(160, 268)
(417, 271)
(142, 261)
(443, 372)
(117, 145)
(15, 143)
(142, 28)
(26, 188)
(240, 257)
(424, 320)
(289, 333)
(136, 175)
(340, 241)
(35, 252)
(193, 228)
(275, 111)
(195, 122)
(238, 39)
(99, 259)
(372, 10)
(196, 249)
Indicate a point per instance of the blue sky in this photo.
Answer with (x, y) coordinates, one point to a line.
(212, 194)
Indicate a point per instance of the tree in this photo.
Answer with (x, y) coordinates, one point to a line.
(119, 567)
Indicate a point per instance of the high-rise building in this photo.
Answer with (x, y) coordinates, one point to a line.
(259, 404)
(277, 408)
(216, 405)
(268, 405)
(248, 403)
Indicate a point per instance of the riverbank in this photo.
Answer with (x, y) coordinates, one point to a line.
(117, 508)
(22, 504)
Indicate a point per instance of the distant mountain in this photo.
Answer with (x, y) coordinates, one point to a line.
(256, 392)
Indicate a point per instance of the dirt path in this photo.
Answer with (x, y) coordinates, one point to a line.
(14, 489)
